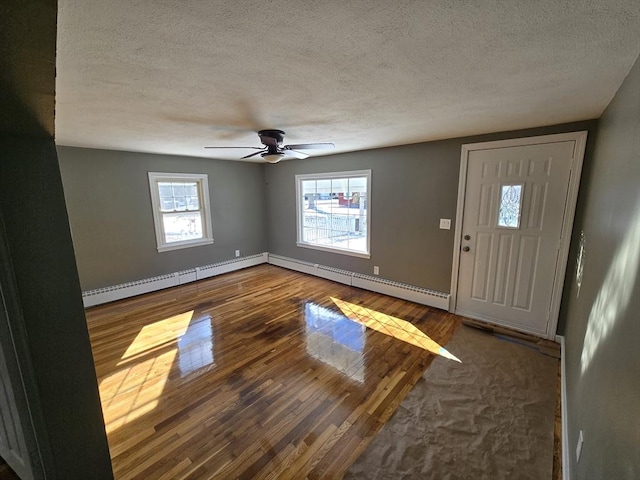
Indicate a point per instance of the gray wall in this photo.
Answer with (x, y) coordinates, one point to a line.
(602, 326)
(413, 186)
(39, 282)
(109, 202)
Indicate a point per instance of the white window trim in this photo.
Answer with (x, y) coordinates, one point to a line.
(207, 230)
(300, 200)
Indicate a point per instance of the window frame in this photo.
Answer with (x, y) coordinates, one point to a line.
(300, 202)
(202, 182)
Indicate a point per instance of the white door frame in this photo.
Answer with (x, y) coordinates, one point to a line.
(580, 139)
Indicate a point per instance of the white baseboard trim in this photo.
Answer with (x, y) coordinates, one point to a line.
(366, 282)
(566, 464)
(99, 296)
(412, 293)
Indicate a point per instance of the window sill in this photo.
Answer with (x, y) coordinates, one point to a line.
(334, 250)
(189, 243)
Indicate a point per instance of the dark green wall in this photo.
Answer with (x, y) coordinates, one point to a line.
(47, 318)
(602, 326)
(413, 186)
(37, 231)
(27, 66)
(112, 222)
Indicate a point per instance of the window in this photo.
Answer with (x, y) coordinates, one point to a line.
(180, 210)
(333, 211)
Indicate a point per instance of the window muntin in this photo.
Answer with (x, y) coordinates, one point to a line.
(333, 211)
(510, 206)
(180, 210)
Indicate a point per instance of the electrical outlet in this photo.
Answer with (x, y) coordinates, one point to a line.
(376, 270)
(579, 446)
(445, 224)
(237, 253)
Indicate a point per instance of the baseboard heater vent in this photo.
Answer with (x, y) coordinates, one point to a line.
(412, 293)
(333, 274)
(230, 265)
(99, 296)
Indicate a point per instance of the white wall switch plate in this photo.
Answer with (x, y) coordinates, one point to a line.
(445, 223)
(237, 253)
(376, 270)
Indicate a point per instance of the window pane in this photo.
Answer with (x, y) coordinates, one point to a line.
(177, 190)
(166, 204)
(182, 226)
(323, 189)
(308, 186)
(165, 190)
(193, 203)
(510, 206)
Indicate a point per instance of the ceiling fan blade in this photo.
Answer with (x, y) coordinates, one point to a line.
(252, 154)
(310, 146)
(294, 154)
(253, 148)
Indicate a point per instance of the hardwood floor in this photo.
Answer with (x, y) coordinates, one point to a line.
(254, 374)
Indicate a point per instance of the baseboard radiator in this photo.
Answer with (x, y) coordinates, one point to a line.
(374, 284)
(420, 295)
(99, 296)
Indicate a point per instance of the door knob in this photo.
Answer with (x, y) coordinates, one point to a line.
(467, 237)
(465, 248)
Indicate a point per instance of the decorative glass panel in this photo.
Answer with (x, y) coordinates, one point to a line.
(510, 206)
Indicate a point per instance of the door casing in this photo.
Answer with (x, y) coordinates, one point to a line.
(580, 139)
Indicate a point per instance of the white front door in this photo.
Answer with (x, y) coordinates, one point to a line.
(517, 200)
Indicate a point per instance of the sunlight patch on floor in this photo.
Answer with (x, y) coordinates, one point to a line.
(159, 333)
(134, 390)
(393, 326)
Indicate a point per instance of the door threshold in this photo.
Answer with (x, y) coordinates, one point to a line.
(547, 347)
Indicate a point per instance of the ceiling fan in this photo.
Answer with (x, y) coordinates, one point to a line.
(273, 150)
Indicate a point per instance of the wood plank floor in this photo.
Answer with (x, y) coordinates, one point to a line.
(253, 374)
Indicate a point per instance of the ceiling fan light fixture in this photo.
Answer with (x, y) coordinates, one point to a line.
(273, 157)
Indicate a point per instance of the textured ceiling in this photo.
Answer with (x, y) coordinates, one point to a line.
(173, 76)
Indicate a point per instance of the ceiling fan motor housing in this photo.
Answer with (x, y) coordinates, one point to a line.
(271, 137)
